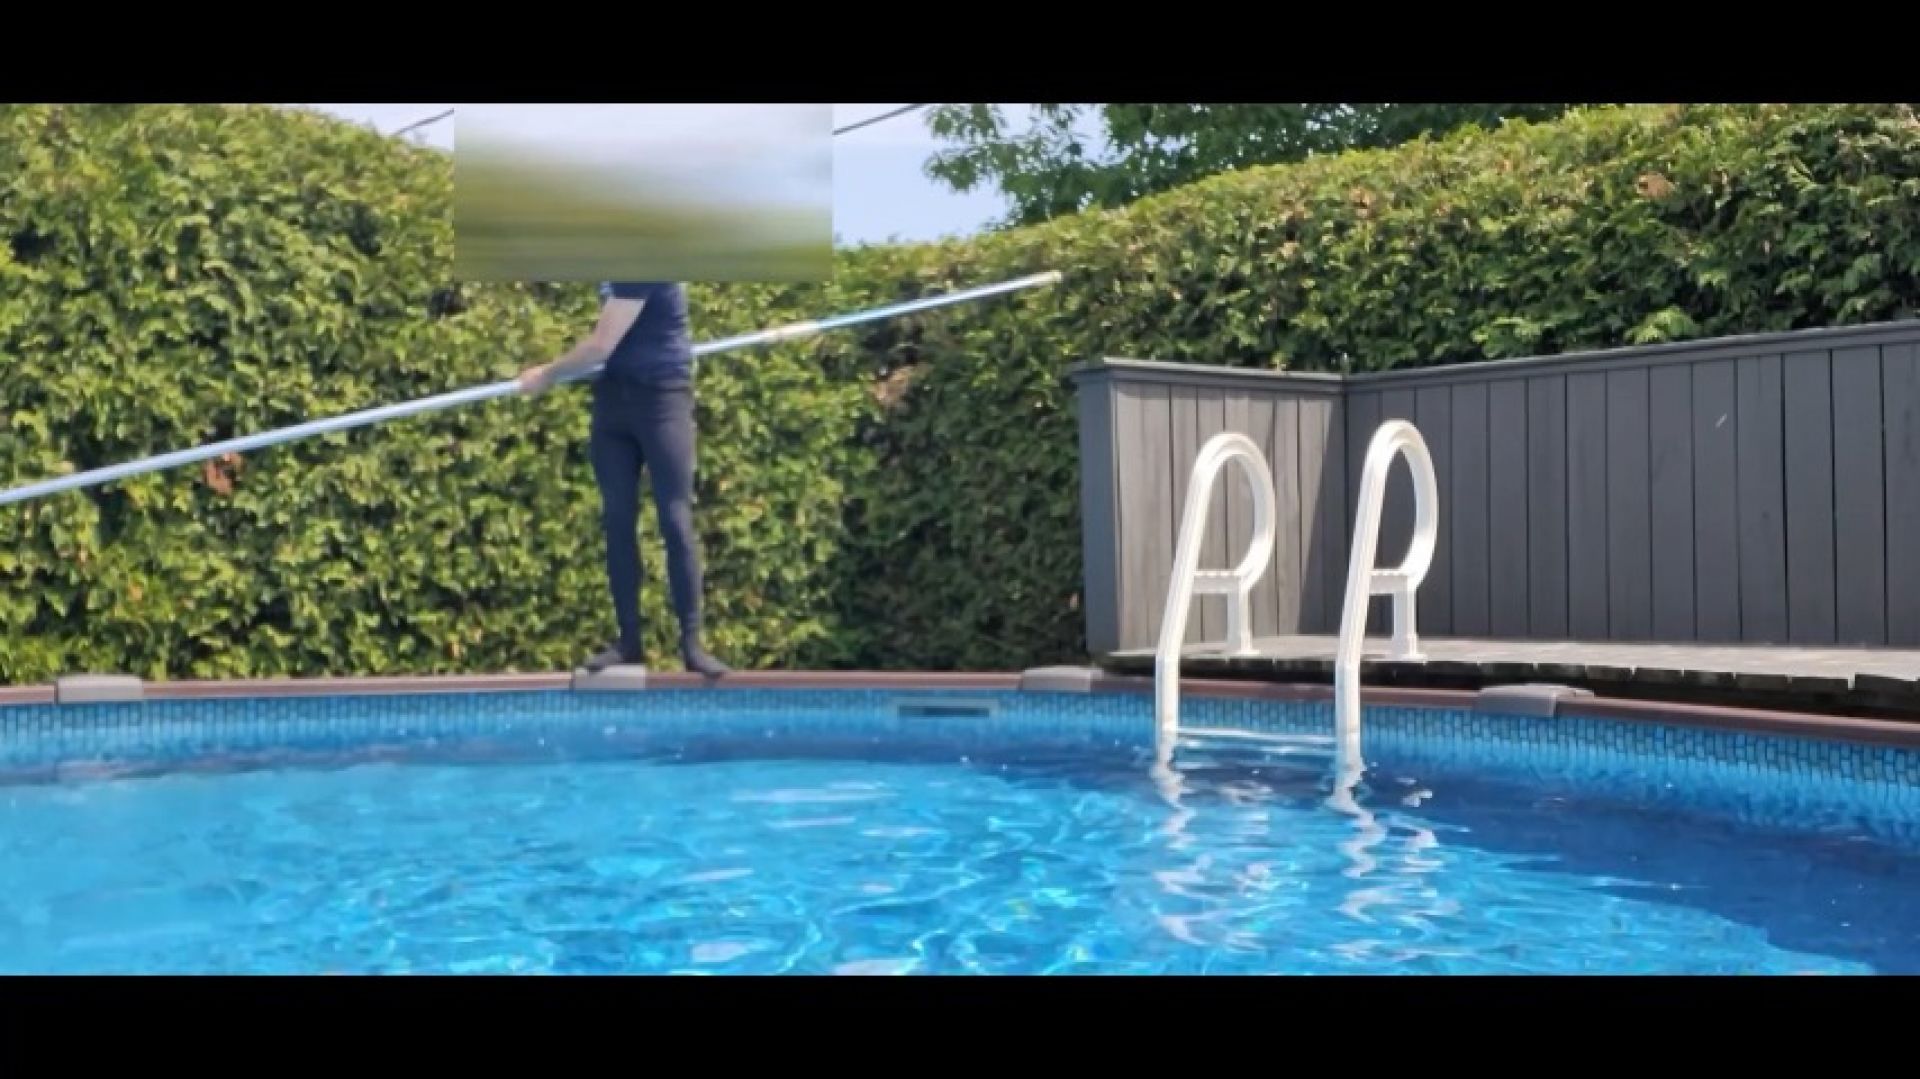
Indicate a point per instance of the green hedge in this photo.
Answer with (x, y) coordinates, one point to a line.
(175, 275)
(901, 496)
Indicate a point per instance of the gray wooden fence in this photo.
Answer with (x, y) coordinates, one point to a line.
(1758, 489)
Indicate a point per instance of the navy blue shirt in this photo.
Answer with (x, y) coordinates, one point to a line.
(658, 348)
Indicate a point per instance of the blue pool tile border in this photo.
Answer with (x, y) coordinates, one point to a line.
(1875, 787)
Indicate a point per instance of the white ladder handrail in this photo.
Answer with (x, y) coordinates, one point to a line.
(1236, 584)
(1395, 438)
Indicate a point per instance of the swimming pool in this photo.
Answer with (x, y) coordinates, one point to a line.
(879, 831)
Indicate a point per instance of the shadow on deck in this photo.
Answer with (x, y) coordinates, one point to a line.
(1876, 682)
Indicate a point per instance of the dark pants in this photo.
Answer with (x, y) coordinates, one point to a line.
(637, 426)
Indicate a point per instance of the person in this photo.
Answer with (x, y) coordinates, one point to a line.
(643, 417)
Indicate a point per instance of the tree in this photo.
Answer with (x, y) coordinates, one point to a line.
(1050, 169)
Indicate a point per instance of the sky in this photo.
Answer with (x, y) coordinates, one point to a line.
(881, 192)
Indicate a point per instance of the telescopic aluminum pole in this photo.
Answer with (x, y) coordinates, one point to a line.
(350, 420)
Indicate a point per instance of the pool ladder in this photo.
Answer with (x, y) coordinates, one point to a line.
(1395, 438)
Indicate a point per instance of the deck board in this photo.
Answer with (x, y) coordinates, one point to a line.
(1889, 677)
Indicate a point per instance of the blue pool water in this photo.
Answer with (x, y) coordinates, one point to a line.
(831, 837)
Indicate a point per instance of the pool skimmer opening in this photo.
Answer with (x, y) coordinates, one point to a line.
(944, 709)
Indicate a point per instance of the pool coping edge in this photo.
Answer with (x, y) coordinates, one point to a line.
(1541, 702)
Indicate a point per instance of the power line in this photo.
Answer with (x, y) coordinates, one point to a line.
(422, 123)
(872, 120)
(868, 122)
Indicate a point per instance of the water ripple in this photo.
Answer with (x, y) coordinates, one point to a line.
(1057, 863)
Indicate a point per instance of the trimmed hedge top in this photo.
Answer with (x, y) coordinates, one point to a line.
(905, 495)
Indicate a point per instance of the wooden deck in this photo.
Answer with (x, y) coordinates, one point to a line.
(1860, 681)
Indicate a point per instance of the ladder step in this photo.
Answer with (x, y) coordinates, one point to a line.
(1214, 582)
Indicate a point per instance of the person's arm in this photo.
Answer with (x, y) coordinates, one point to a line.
(616, 318)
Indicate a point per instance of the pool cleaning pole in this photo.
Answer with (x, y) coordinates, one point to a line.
(792, 332)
